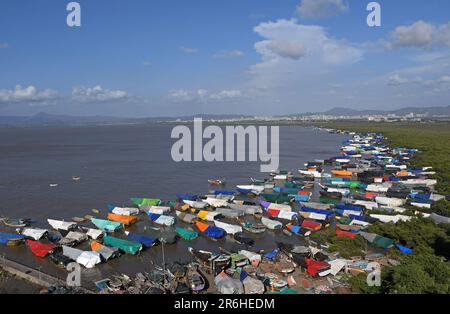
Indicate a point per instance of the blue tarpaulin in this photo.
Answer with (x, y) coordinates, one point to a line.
(6, 237)
(188, 197)
(146, 241)
(214, 232)
(404, 249)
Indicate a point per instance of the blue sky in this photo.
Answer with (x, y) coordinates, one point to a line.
(261, 57)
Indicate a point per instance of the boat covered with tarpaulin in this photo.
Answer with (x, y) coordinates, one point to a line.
(130, 247)
(107, 225)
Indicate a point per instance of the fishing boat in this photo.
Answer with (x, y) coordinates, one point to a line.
(40, 249)
(105, 252)
(229, 228)
(107, 225)
(163, 220)
(275, 206)
(271, 224)
(126, 220)
(298, 230)
(188, 197)
(216, 202)
(210, 231)
(254, 227)
(218, 182)
(196, 204)
(61, 225)
(86, 258)
(212, 261)
(242, 239)
(16, 223)
(186, 234)
(146, 241)
(185, 217)
(195, 279)
(11, 239)
(145, 201)
(130, 247)
(159, 210)
(75, 178)
(229, 213)
(247, 209)
(73, 238)
(124, 211)
(34, 233)
(256, 189)
(331, 195)
(59, 259)
(342, 173)
(208, 216)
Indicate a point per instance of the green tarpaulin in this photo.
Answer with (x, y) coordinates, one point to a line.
(124, 245)
(146, 201)
(186, 234)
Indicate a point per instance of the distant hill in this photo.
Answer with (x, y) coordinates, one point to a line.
(56, 120)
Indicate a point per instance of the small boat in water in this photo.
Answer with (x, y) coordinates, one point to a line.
(242, 239)
(195, 279)
(11, 239)
(210, 231)
(254, 227)
(271, 224)
(40, 249)
(217, 182)
(130, 247)
(16, 223)
(213, 261)
(146, 241)
(186, 233)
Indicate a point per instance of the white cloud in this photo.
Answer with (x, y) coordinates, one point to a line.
(287, 49)
(227, 94)
(28, 94)
(188, 49)
(97, 94)
(397, 80)
(228, 54)
(288, 39)
(321, 8)
(420, 35)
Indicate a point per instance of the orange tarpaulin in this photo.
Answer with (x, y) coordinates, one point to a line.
(201, 226)
(342, 173)
(95, 246)
(126, 220)
(402, 174)
(304, 193)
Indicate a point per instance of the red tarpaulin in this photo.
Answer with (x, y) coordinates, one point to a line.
(273, 212)
(341, 233)
(313, 267)
(40, 249)
(311, 224)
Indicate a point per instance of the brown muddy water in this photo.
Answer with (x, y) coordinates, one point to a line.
(119, 162)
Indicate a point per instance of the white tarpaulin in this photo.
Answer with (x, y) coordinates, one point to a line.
(86, 258)
(94, 233)
(62, 225)
(35, 234)
(125, 211)
(229, 228)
